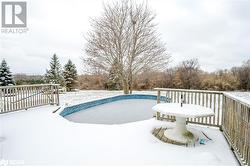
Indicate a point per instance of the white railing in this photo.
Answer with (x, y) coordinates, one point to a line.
(211, 99)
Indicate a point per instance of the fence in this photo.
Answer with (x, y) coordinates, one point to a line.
(232, 116)
(236, 127)
(13, 98)
(211, 99)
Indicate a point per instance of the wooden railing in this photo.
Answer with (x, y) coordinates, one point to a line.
(232, 116)
(236, 127)
(13, 98)
(211, 99)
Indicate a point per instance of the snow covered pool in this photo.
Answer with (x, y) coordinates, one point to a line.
(114, 110)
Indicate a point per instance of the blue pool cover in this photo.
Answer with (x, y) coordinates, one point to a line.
(79, 107)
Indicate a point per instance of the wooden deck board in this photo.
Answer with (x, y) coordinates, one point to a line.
(159, 134)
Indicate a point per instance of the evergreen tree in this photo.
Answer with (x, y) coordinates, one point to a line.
(70, 75)
(113, 82)
(54, 74)
(6, 78)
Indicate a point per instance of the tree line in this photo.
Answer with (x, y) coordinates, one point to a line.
(186, 75)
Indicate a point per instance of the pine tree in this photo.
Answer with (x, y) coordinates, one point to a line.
(113, 82)
(70, 75)
(6, 78)
(54, 74)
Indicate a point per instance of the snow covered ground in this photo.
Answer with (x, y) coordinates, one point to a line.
(39, 137)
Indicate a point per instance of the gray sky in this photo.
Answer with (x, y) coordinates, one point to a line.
(214, 31)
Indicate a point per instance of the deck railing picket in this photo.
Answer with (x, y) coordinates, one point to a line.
(13, 98)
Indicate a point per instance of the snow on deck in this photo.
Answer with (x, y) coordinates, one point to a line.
(39, 137)
(241, 96)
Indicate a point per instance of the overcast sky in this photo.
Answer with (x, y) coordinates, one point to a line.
(216, 32)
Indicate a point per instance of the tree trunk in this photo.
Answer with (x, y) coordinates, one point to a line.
(125, 87)
(130, 84)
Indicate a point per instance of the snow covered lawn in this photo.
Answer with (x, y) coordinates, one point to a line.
(39, 137)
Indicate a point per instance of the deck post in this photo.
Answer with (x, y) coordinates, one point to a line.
(51, 95)
(158, 101)
(158, 96)
(223, 112)
(57, 95)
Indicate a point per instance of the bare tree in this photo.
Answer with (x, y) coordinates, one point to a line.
(243, 75)
(187, 75)
(125, 33)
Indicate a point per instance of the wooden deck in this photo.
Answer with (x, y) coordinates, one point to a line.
(159, 133)
(232, 116)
